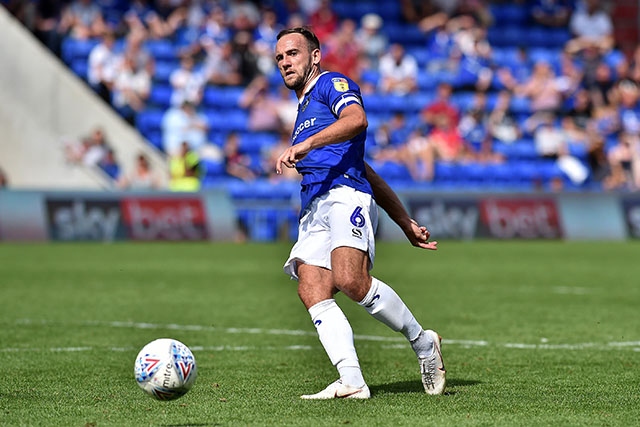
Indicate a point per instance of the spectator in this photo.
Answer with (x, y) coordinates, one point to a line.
(414, 11)
(630, 70)
(474, 129)
(243, 15)
(265, 41)
(47, 26)
(441, 106)
(131, 89)
(342, 52)
(83, 19)
(141, 177)
(222, 66)
(602, 84)
(109, 164)
(443, 143)
(324, 21)
(515, 71)
(627, 99)
(287, 108)
(390, 137)
(185, 169)
(262, 106)
(142, 17)
(89, 151)
(234, 63)
(502, 125)
(551, 13)
(187, 84)
(217, 31)
(591, 27)
(398, 71)
(237, 164)
(103, 63)
(597, 157)
(244, 50)
(135, 49)
(373, 44)
(542, 89)
(575, 122)
(184, 124)
(552, 142)
(624, 163)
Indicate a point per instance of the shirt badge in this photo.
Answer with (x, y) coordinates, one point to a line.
(340, 84)
(304, 104)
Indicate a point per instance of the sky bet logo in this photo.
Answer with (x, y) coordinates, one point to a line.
(302, 126)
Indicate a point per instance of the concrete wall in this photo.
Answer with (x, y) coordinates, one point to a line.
(42, 104)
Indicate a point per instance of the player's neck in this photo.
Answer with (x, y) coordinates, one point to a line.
(310, 79)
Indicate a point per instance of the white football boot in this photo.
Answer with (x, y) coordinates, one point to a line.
(337, 390)
(432, 367)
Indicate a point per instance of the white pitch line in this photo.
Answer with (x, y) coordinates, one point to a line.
(400, 341)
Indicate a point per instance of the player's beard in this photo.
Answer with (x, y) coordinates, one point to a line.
(301, 79)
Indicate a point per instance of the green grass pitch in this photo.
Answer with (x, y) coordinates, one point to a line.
(535, 333)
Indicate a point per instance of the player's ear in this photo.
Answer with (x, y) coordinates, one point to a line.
(315, 56)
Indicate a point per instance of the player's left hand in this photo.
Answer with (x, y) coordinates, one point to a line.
(418, 235)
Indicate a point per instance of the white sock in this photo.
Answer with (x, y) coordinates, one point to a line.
(384, 304)
(336, 336)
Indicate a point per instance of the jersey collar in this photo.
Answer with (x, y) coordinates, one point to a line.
(312, 83)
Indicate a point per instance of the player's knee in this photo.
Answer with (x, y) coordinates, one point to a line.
(353, 286)
(311, 295)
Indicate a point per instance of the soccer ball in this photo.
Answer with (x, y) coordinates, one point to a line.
(165, 369)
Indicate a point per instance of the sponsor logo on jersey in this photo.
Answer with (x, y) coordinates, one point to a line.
(356, 232)
(340, 84)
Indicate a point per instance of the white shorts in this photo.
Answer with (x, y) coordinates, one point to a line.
(341, 217)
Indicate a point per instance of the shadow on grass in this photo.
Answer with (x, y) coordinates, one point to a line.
(416, 386)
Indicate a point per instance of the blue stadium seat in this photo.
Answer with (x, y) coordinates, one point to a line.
(222, 97)
(73, 49)
(163, 70)
(509, 14)
(149, 120)
(161, 50)
(257, 142)
(80, 67)
(160, 96)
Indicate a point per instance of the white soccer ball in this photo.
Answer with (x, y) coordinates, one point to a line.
(165, 369)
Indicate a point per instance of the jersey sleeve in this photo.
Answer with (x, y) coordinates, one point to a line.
(340, 92)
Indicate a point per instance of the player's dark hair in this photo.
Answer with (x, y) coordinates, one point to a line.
(312, 39)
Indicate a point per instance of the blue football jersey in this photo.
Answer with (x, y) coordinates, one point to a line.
(336, 164)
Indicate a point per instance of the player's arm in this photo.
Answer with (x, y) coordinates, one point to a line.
(388, 200)
(351, 122)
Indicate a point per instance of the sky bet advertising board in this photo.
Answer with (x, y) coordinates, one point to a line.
(496, 218)
(128, 218)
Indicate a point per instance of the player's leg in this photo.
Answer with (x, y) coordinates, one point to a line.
(310, 263)
(352, 220)
(384, 304)
(316, 290)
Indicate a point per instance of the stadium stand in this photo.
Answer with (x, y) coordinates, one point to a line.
(515, 43)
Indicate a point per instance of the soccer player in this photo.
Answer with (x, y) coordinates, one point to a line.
(339, 197)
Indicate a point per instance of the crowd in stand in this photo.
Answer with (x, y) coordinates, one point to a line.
(585, 99)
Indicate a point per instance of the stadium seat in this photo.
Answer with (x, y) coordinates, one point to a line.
(222, 97)
(509, 14)
(160, 96)
(149, 120)
(73, 49)
(161, 49)
(257, 142)
(163, 70)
